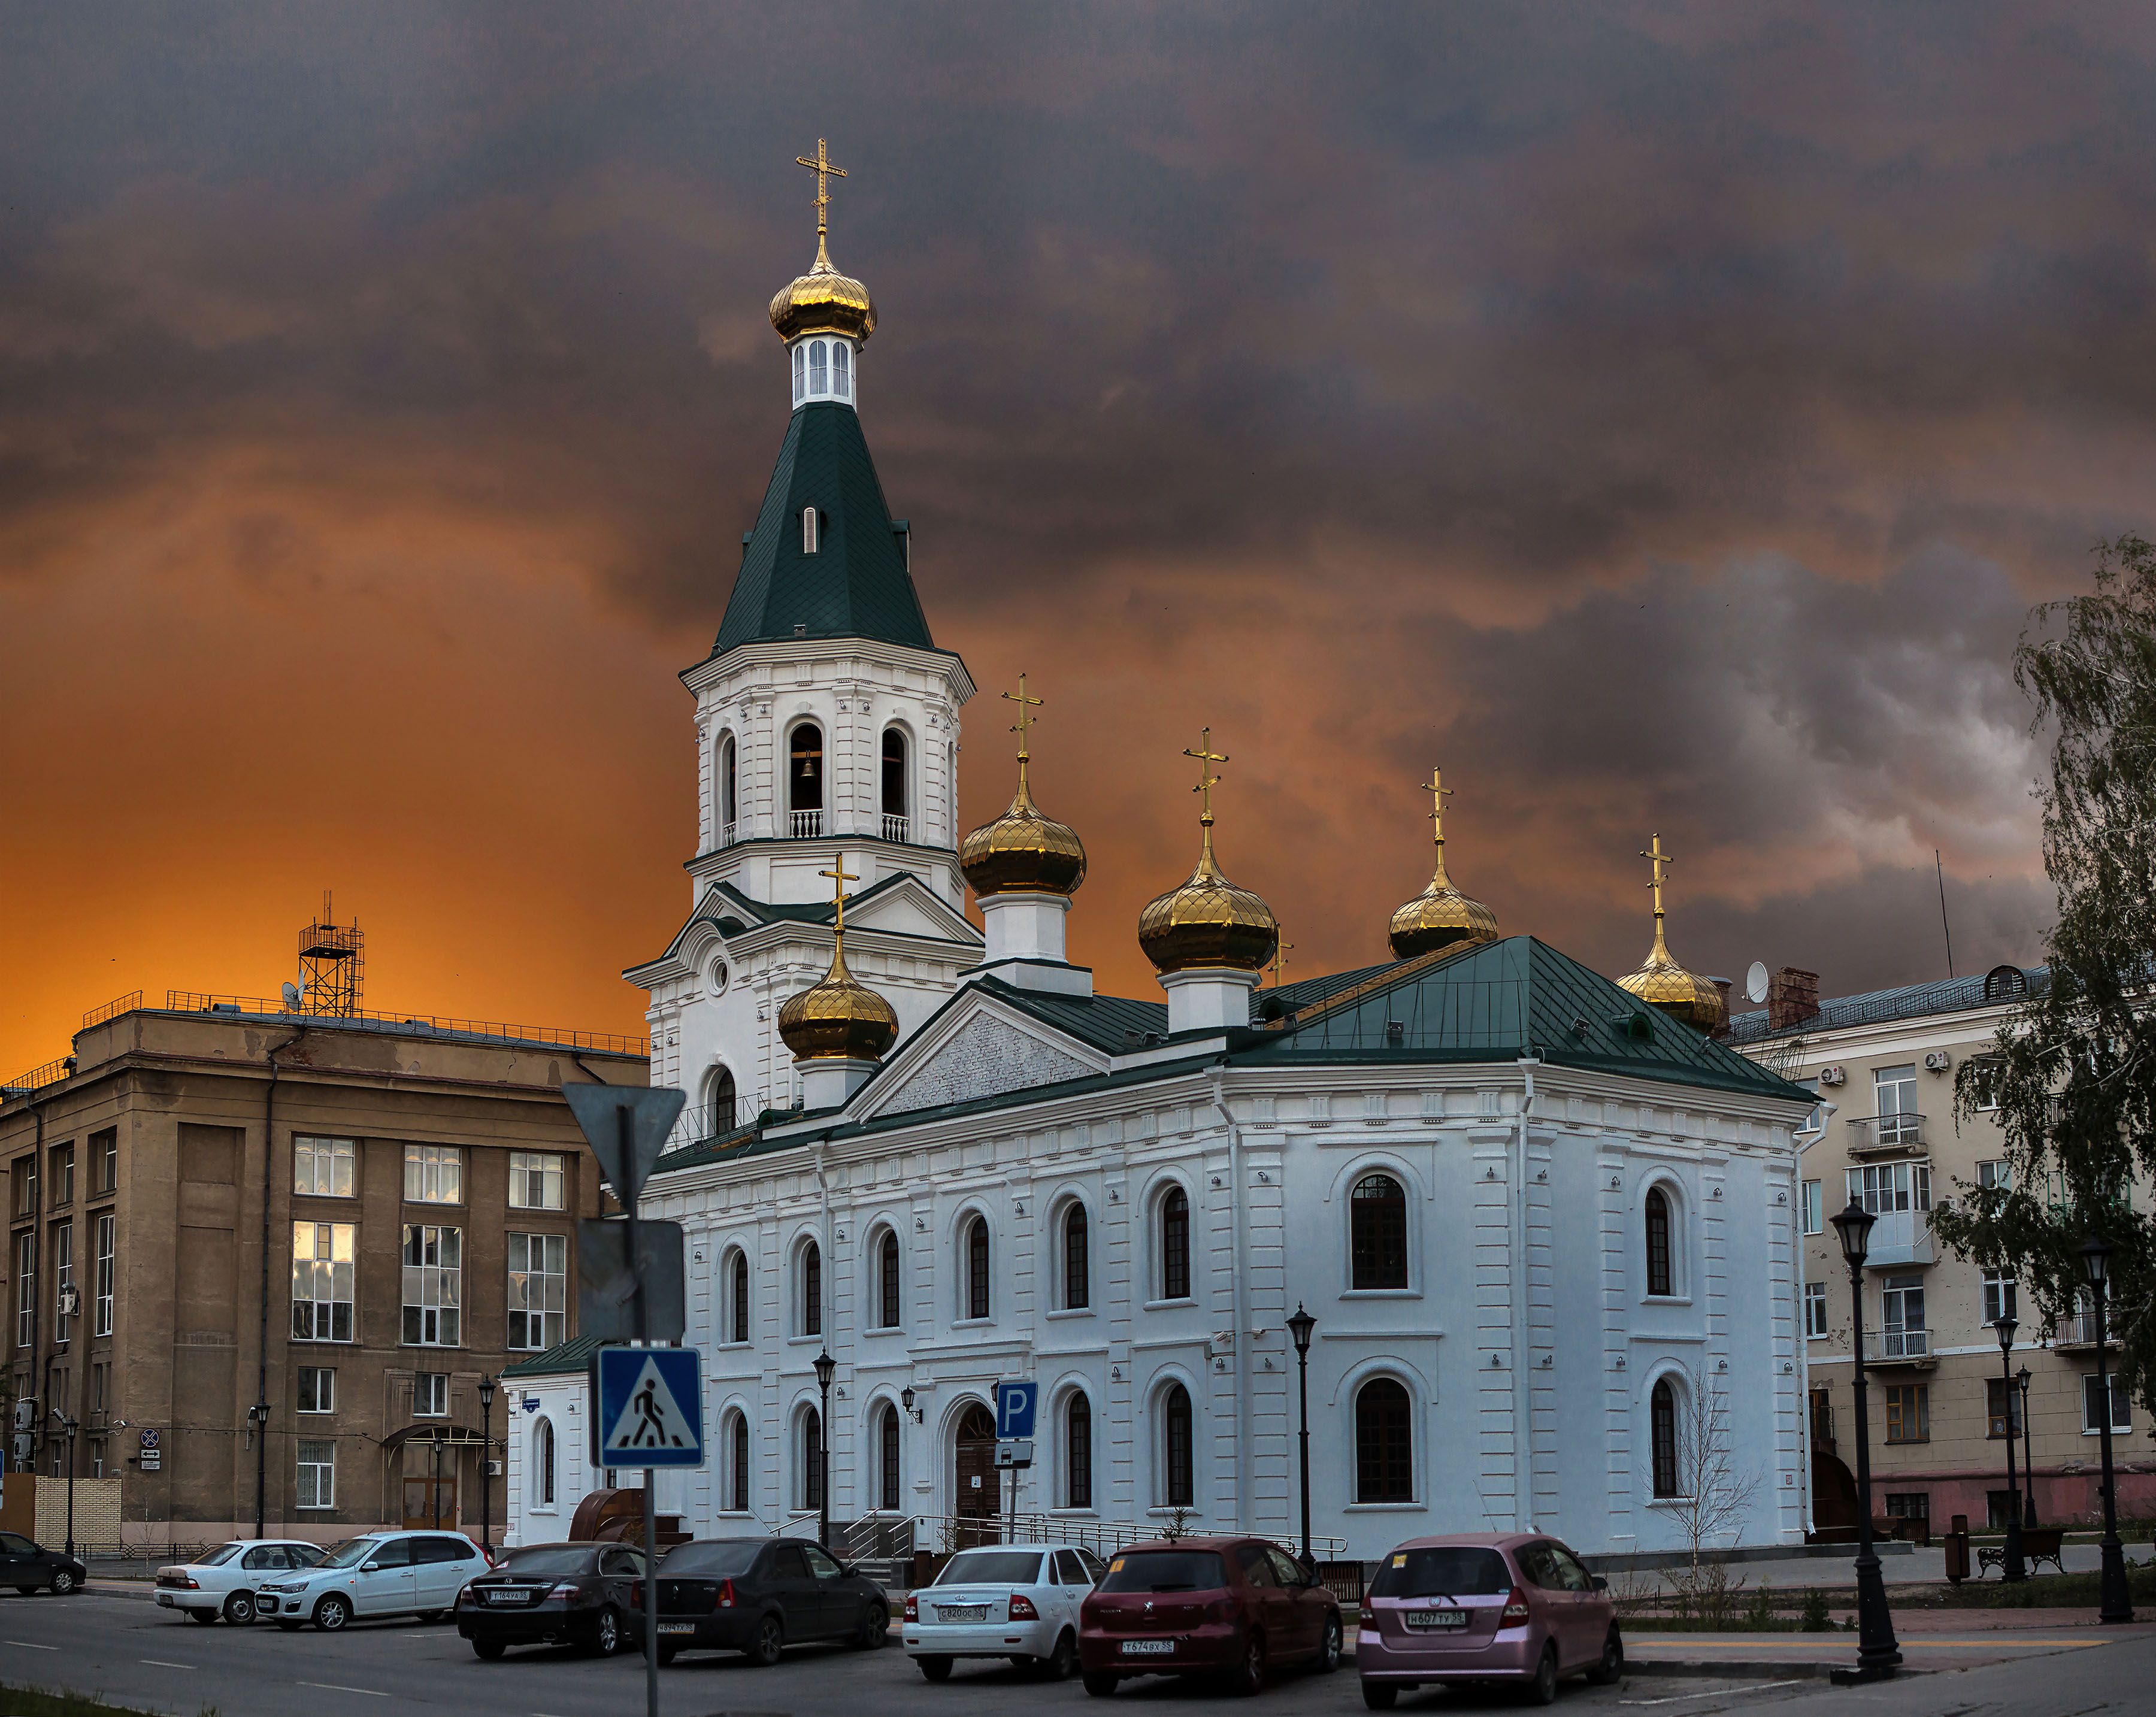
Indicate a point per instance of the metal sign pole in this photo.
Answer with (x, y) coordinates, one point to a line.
(650, 1476)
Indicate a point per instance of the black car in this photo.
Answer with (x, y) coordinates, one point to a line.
(762, 1595)
(27, 1566)
(554, 1594)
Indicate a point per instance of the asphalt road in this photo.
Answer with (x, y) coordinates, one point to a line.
(136, 1655)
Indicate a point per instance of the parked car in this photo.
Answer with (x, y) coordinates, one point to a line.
(224, 1582)
(1229, 1607)
(760, 1595)
(382, 1573)
(26, 1567)
(1018, 1601)
(553, 1594)
(1513, 1607)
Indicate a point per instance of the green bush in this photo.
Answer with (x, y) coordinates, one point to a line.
(1816, 1620)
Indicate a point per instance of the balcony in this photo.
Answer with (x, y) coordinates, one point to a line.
(1900, 1347)
(1886, 1135)
(897, 828)
(729, 833)
(1899, 1240)
(804, 826)
(2078, 1329)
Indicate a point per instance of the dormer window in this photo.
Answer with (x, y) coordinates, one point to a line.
(817, 384)
(800, 372)
(842, 381)
(809, 530)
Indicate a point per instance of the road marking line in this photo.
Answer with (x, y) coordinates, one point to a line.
(334, 1687)
(1749, 1687)
(163, 1664)
(1762, 1645)
(32, 1646)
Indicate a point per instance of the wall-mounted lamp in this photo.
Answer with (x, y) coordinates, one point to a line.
(906, 1400)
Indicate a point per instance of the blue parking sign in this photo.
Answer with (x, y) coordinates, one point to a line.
(647, 1407)
(1015, 1402)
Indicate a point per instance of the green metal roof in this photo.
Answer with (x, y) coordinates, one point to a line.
(856, 584)
(1112, 1023)
(574, 1354)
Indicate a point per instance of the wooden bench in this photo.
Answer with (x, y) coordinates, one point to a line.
(2038, 1544)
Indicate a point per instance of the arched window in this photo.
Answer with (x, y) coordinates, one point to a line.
(729, 791)
(1378, 1228)
(1662, 1414)
(889, 1306)
(739, 1309)
(1078, 1453)
(977, 1267)
(1384, 1443)
(738, 1477)
(1175, 1245)
(812, 1459)
(542, 1461)
(894, 785)
(804, 781)
(1658, 1241)
(887, 1448)
(818, 385)
(718, 1104)
(809, 533)
(1077, 1276)
(811, 1289)
(800, 371)
(1180, 1490)
(842, 381)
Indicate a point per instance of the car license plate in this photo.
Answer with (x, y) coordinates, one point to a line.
(961, 1612)
(1148, 1648)
(1431, 1619)
(499, 1595)
(677, 1628)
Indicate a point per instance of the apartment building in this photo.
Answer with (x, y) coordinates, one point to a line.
(351, 1218)
(1886, 1136)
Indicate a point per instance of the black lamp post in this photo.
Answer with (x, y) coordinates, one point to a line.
(434, 1481)
(2014, 1567)
(825, 1366)
(2116, 1607)
(68, 1424)
(487, 1386)
(1876, 1653)
(2028, 1452)
(1300, 1326)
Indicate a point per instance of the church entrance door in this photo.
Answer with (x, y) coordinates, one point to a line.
(977, 1498)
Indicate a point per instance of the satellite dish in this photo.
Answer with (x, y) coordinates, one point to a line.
(291, 997)
(1755, 981)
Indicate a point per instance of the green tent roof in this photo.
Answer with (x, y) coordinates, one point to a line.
(856, 584)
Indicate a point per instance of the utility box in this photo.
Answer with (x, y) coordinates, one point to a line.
(1957, 1549)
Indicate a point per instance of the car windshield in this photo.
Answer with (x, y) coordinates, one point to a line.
(350, 1554)
(1166, 1570)
(550, 1559)
(721, 1557)
(1442, 1570)
(222, 1554)
(992, 1568)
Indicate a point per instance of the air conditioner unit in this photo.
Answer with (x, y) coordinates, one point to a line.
(1937, 1061)
(494, 1470)
(26, 1413)
(1833, 1076)
(25, 1449)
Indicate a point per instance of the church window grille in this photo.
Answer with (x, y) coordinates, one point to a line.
(1077, 1284)
(888, 1283)
(842, 380)
(800, 372)
(1377, 1224)
(1658, 1243)
(888, 1494)
(738, 1478)
(740, 1307)
(812, 1460)
(1662, 1417)
(1078, 1453)
(1182, 1489)
(812, 1290)
(1384, 1443)
(1175, 1245)
(977, 1267)
(809, 522)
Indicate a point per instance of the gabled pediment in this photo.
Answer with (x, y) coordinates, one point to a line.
(976, 1047)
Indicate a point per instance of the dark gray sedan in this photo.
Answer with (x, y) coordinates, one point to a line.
(762, 1595)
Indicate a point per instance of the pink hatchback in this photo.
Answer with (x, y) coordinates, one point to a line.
(1514, 1607)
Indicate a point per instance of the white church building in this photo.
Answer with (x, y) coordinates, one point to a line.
(1546, 1227)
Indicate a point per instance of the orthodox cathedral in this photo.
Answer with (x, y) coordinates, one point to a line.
(1523, 1238)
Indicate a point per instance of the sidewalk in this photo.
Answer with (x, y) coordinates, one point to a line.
(1930, 1639)
(1916, 1566)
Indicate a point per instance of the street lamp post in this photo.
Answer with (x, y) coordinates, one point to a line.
(68, 1424)
(2014, 1568)
(434, 1481)
(2116, 1607)
(825, 1365)
(487, 1386)
(1300, 1326)
(1876, 1653)
(2028, 1452)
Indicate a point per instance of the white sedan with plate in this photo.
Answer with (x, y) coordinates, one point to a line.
(224, 1582)
(1018, 1601)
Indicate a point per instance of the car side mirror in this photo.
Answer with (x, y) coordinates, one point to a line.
(1601, 1584)
(370, 1567)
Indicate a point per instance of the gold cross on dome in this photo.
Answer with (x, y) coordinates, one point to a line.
(1662, 864)
(1207, 780)
(1026, 705)
(839, 875)
(822, 168)
(1439, 793)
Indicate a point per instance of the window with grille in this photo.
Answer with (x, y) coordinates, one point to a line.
(433, 1174)
(1384, 1443)
(1181, 1489)
(317, 1474)
(1908, 1413)
(317, 1389)
(108, 1240)
(740, 1308)
(1077, 1283)
(538, 1291)
(430, 1395)
(325, 1168)
(1378, 1232)
(1078, 1451)
(1658, 1242)
(812, 1460)
(433, 1283)
(537, 1181)
(1909, 1505)
(1175, 1245)
(1662, 1427)
(977, 1267)
(888, 1492)
(740, 1474)
(324, 1278)
(891, 1306)
(812, 1290)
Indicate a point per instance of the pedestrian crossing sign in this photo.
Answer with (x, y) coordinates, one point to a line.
(647, 1407)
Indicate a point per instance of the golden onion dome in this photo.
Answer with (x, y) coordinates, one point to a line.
(1023, 852)
(1440, 916)
(1661, 983)
(1208, 922)
(839, 1019)
(823, 301)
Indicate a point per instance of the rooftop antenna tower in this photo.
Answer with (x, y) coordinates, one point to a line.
(333, 959)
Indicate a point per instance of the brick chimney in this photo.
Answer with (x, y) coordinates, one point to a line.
(1792, 998)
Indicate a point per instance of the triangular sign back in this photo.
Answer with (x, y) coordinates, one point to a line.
(627, 1127)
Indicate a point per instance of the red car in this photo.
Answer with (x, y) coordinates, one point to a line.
(1514, 1607)
(1226, 1607)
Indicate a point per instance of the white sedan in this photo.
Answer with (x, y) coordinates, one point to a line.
(224, 1582)
(1018, 1601)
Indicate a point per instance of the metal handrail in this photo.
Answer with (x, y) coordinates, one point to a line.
(1902, 1132)
(195, 1001)
(113, 1010)
(1903, 1344)
(1102, 1537)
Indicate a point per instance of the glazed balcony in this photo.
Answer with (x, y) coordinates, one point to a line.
(1899, 1240)
(1886, 1135)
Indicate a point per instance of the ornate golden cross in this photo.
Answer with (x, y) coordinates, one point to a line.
(1280, 961)
(1026, 705)
(840, 876)
(1440, 793)
(1661, 864)
(1207, 780)
(822, 166)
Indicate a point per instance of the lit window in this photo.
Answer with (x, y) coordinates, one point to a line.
(433, 1283)
(433, 1174)
(323, 1278)
(538, 1291)
(324, 1167)
(535, 1180)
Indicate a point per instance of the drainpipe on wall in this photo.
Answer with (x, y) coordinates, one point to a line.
(1245, 1336)
(1523, 1438)
(261, 1412)
(42, 1383)
(1804, 1342)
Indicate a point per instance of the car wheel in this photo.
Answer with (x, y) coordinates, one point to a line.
(63, 1581)
(934, 1668)
(606, 1632)
(1062, 1663)
(489, 1650)
(203, 1615)
(769, 1641)
(1328, 1648)
(1542, 1690)
(239, 1609)
(875, 1622)
(1100, 1683)
(1379, 1697)
(668, 1653)
(1248, 1677)
(331, 1614)
(1609, 1670)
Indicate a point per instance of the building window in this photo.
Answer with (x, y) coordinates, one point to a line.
(100, 1387)
(1384, 1443)
(1901, 1332)
(538, 1291)
(887, 1491)
(818, 368)
(977, 1267)
(26, 1288)
(1908, 1413)
(2002, 1408)
(894, 784)
(25, 1186)
(808, 523)
(1181, 1490)
(433, 1174)
(1078, 1451)
(890, 1308)
(811, 1289)
(317, 1389)
(1378, 1229)
(323, 1278)
(719, 1104)
(1894, 1095)
(1995, 1176)
(1813, 1207)
(1662, 1428)
(1885, 1187)
(738, 1479)
(812, 1460)
(317, 1486)
(105, 1160)
(535, 1180)
(63, 1176)
(542, 1461)
(1175, 1245)
(740, 1308)
(800, 372)
(1815, 1310)
(729, 791)
(1658, 1242)
(434, 1278)
(842, 380)
(1077, 1283)
(2000, 1298)
(1909, 1505)
(430, 1395)
(804, 779)
(325, 1168)
(2122, 1415)
(63, 1279)
(1822, 1420)
(107, 1259)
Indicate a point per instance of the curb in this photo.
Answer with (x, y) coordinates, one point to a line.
(1769, 1667)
